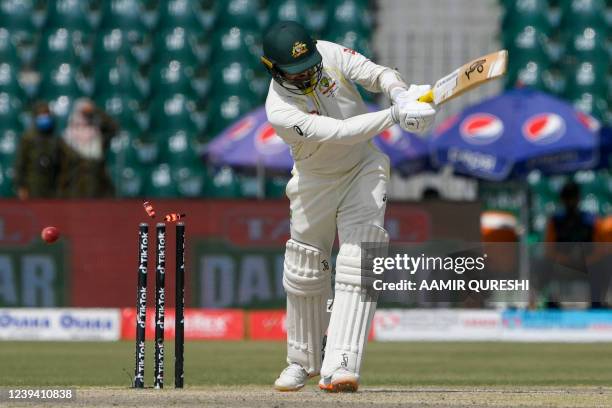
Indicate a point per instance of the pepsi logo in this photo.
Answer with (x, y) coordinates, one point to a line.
(267, 141)
(481, 128)
(391, 135)
(588, 121)
(241, 129)
(544, 128)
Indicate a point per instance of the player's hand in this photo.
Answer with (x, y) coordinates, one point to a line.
(400, 96)
(414, 117)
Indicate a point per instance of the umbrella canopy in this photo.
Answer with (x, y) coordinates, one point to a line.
(518, 131)
(252, 142)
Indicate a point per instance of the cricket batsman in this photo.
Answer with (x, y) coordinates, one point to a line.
(339, 183)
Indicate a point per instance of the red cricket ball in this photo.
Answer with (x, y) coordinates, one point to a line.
(50, 234)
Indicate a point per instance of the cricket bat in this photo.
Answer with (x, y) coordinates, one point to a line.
(468, 76)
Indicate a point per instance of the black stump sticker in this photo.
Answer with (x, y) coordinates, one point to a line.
(298, 130)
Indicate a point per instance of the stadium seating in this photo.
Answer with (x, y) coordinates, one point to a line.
(150, 65)
(247, 14)
(77, 15)
(127, 46)
(121, 78)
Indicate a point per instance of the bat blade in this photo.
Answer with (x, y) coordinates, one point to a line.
(468, 76)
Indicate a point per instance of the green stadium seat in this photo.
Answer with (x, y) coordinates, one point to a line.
(159, 183)
(72, 14)
(246, 14)
(528, 72)
(587, 44)
(119, 150)
(180, 13)
(117, 45)
(529, 39)
(131, 113)
(554, 80)
(576, 14)
(349, 15)
(121, 79)
(61, 106)
(172, 114)
(9, 80)
(130, 181)
(9, 141)
(12, 112)
(180, 148)
(63, 79)
(7, 175)
(190, 179)
(353, 40)
(26, 43)
(226, 109)
(292, 10)
(236, 44)
(587, 76)
(8, 51)
(237, 78)
(61, 45)
(124, 14)
(223, 184)
(172, 78)
(317, 16)
(202, 81)
(532, 12)
(26, 15)
(176, 43)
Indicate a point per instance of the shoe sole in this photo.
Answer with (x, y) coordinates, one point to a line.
(346, 385)
(288, 389)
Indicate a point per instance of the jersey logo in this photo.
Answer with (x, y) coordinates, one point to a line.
(299, 48)
(298, 130)
(350, 51)
(328, 87)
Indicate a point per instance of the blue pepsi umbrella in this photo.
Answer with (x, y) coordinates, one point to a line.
(252, 142)
(509, 135)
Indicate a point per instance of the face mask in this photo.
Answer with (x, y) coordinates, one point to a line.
(44, 123)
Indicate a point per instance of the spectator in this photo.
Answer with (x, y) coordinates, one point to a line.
(571, 224)
(85, 145)
(38, 157)
(567, 232)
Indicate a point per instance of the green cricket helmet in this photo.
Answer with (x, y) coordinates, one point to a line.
(290, 50)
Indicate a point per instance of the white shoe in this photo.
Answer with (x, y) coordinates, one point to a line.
(292, 378)
(341, 380)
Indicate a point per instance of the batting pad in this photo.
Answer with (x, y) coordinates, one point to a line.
(307, 282)
(353, 310)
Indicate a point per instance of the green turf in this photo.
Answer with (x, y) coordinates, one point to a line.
(258, 363)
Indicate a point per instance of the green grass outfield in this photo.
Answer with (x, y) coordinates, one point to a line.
(94, 364)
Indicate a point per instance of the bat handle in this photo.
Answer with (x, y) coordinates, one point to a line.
(427, 98)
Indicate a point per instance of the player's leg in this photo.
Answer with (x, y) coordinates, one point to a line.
(307, 280)
(360, 220)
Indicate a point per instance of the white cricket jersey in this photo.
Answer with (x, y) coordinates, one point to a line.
(330, 130)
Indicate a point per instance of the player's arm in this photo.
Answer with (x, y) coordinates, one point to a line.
(293, 125)
(373, 77)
